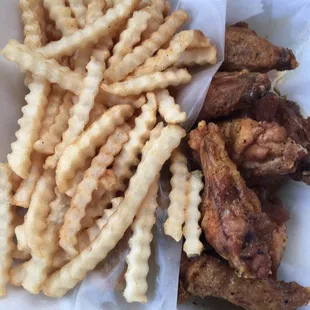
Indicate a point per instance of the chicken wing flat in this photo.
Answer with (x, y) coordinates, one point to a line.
(261, 149)
(232, 91)
(233, 222)
(210, 276)
(245, 50)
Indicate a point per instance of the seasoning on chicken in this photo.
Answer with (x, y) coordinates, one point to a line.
(261, 149)
(233, 91)
(245, 50)
(209, 276)
(233, 222)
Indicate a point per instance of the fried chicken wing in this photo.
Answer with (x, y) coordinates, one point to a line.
(245, 50)
(287, 113)
(210, 276)
(261, 149)
(231, 91)
(233, 222)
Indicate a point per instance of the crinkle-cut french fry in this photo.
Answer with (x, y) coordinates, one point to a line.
(22, 242)
(104, 26)
(191, 230)
(73, 217)
(6, 227)
(78, 177)
(140, 248)
(113, 100)
(128, 157)
(60, 259)
(197, 56)
(166, 58)
(94, 230)
(143, 4)
(167, 8)
(23, 194)
(61, 15)
(35, 220)
(40, 12)
(149, 82)
(80, 111)
(130, 36)
(68, 276)
(168, 109)
(49, 69)
(96, 112)
(15, 181)
(52, 137)
(96, 208)
(30, 124)
(177, 196)
(85, 146)
(94, 11)
(33, 33)
(79, 10)
(17, 274)
(39, 267)
(141, 53)
(157, 18)
(55, 100)
(107, 183)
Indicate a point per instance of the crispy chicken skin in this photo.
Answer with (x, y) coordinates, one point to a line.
(245, 50)
(261, 148)
(231, 91)
(210, 276)
(287, 113)
(233, 222)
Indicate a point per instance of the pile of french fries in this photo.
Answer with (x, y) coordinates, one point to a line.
(97, 127)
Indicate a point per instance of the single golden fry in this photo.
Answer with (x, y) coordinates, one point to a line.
(130, 36)
(91, 33)
(157, 18)
(197, 56)
(168, 109)
(94, 11)
(128, 157)
(33, 34)
(120, 70)
(55, 100)
(148, 83)
(97, 111)
(166, 58)
(191, 230)
(24, 192)
(30, 123)
(79, 10)
(35, 220)
(6, 228)
(140, 248)
(68, 276)
(80, 111)
(39, 267)
(61, 15)
(94, 230)
(177, 196)
(85, 146)
(73, 217)
(48, 69)
(52, 137)
(17, 274)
